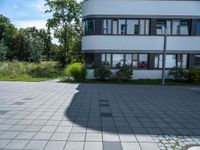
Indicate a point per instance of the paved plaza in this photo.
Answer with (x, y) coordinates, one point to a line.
(61, 116)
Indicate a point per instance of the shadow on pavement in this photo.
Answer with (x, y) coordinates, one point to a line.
(135, 109)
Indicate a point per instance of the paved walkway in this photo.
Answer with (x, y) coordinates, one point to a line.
(62, 116)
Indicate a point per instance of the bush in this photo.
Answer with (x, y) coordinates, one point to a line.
(125, 73)
(194, 76)
(45, 69)
(178, 74)
(77, 71)
(102, 73)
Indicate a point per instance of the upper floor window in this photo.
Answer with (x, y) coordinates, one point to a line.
(114, 26)
(173, 27)
(180, 27)
(198, 29)
(122, 27)
(107, 26)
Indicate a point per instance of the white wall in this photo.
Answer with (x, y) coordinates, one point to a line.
(142, 7)
(147, 43)
(138, 74)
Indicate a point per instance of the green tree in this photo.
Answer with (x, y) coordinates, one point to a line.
(66, 15)
(9, 31)
(3, 51)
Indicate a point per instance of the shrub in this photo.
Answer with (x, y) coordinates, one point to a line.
(45, 69)
(125, 73)
(102, 73)
(77, 71)
(178, 74)
(194, 76)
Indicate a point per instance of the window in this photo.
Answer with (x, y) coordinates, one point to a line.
(160, 27)
(106, 59)
(172, 60)
(114, 26)
(128, 59)
(91, 25)
(131, 26)
(180, 27)
(169, 27)
(89, 60)
(184, 28)
(143, 61)
(142, 26)
(198, 28)
(122, 27)
(135, 60)
(118, 60)
(197, 61)
(106, 26)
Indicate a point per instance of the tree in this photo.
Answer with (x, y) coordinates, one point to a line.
(8, 31)
(3, 51)
(66, 14)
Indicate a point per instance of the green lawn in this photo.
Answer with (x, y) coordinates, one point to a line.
(25, 78)
(138, 82)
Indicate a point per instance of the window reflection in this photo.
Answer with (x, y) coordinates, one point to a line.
(114, 26)
(118, 60)
(172, 60)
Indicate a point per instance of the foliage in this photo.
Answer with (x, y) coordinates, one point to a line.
(77, 71)
(125, 73)
(194, 76)
(38, 70)
(178, 74)
(102, 73)
(67, 27)
(3, 51)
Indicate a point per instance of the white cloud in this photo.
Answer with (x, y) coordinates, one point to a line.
(39, 24)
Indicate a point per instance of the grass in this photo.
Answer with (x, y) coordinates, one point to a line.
(25, 78)
(29, 72)
(137, 82)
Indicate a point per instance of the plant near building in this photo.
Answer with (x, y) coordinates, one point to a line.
(194, 76)
(178, 74)
(125, 73)
(77, 71)
(102, 73)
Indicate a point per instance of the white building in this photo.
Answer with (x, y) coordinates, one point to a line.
(131, 32)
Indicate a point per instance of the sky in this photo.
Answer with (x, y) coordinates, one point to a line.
(25, 13)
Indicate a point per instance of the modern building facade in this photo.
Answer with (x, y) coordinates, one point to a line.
(131, 32)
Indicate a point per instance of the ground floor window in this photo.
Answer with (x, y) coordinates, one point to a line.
(119, 60)
(197, 61)
(89, 60)
(172, 60)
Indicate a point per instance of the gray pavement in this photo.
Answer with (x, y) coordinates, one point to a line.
(60, 116)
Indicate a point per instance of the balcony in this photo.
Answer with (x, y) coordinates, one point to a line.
(100, 43)
(132, 8)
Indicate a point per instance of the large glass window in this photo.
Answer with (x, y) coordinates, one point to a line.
(135, 60)
(118, 60)
(180, 27)
(91, 25)
(89, 60)
(114, 26)
(122, 27)
(172, 60)
(143, 61)
(106, 26)
(198, 28)
(106, 60)
(160, 27)
(197, 61)
(128, 60)
(131, 26)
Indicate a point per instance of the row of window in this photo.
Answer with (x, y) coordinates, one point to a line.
(142, 60)
(137, 27)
